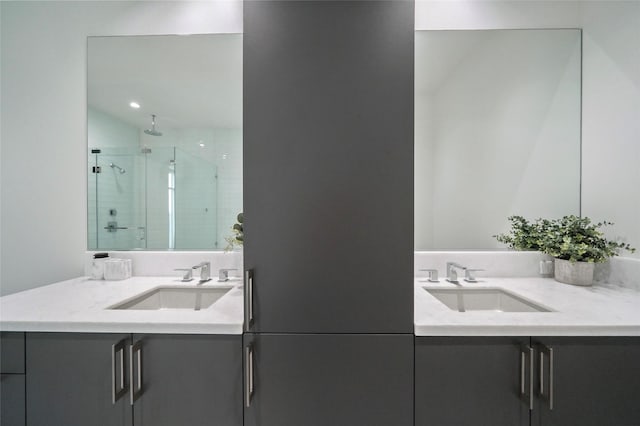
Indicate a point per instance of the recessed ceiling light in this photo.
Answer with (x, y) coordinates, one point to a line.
(134, 105)
(202, 145)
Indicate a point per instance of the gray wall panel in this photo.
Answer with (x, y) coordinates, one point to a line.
(328, 165)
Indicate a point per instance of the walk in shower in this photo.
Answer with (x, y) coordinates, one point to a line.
(160, 198)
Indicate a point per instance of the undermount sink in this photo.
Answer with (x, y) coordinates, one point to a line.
(484, 299)
(174, 297)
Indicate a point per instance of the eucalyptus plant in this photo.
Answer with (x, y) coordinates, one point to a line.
(524, 235)
(237, 239)
(571, 238)
(577, 239)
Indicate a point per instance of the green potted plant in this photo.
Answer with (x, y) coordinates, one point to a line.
(576, 243)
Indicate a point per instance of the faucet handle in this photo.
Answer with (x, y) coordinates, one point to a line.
(188, 274)
(469, 275)
(433, 275)
(223, 274)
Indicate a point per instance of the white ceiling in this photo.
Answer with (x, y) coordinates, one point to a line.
(186, 80)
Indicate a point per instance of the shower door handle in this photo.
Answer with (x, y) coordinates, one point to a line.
(113, 227)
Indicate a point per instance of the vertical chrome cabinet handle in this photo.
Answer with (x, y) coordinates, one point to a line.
(248, 306)
(249, 385)
(117, 353)
(523, 372)
(549, 352)
(135, 382)
(526, 361)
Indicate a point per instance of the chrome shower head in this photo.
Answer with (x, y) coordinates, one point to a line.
(120, 169)
(152, 131)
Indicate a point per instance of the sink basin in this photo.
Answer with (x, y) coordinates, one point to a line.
(174, 297)
(484, 299)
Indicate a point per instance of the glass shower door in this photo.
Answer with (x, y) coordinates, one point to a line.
(116, 201)
(196, 202)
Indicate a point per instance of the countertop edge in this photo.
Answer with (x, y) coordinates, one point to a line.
(105, 327)
(560, 331)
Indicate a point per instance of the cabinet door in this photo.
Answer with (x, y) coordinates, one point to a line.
(12, 400)
(336, 380)
(188, 380)
(70, 380)
(11, 352)
(594, 380)
(328, 165)
(469, 381)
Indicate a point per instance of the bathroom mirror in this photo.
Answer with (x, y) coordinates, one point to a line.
(497, 132)
(164, 122)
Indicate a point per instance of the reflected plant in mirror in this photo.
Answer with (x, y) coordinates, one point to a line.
(524, 235)
(497, 132)
(237, 239)
(164, 141)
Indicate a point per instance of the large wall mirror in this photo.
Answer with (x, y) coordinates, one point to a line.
(497, 132)
(164, 141)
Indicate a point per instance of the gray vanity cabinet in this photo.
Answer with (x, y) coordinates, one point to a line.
(591, 381)
(469, 381)
(12, 379)
(157, 379)
(188, 380)
(70, 380)
(321, 380)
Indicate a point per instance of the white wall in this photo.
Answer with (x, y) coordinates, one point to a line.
(43, 79)
(43, 117)
(611, 86)
(611, 117)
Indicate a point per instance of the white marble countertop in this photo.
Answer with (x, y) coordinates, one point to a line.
(79, 305)
(577, 311)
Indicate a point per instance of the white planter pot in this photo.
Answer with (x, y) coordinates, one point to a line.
(575, 273)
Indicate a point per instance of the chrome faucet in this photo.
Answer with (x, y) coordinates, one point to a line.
(188, 274)
(470, 276)
(223, 274)
(452, 274)
(433, 275)
(205, 271)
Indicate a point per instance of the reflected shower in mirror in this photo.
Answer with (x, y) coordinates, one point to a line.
(497, 132)
(164, 141)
